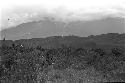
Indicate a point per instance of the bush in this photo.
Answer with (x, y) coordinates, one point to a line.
(20, 63)
(116, 52)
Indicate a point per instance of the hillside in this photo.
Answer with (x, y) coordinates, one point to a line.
(67, 59)
(49, 27)
(74, 41)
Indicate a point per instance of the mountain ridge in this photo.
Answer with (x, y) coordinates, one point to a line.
(45, 28)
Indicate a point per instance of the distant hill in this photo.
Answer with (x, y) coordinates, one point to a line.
(48, 27)
(104, 41)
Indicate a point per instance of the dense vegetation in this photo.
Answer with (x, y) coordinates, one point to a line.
(22, 64)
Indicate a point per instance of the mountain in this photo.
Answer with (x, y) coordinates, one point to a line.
(48, 27)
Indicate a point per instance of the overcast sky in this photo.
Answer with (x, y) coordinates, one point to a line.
(15, 12)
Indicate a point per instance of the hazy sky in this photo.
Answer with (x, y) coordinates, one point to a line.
(15, 12)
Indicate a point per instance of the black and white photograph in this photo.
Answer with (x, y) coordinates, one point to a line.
(62, 41)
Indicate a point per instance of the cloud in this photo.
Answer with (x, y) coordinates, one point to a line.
(21, 11)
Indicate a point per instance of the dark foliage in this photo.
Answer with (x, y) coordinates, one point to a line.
(23, 63)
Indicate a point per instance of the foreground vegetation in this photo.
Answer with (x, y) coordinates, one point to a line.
(66, 64)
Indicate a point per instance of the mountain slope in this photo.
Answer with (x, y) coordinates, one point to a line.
(49, 27)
